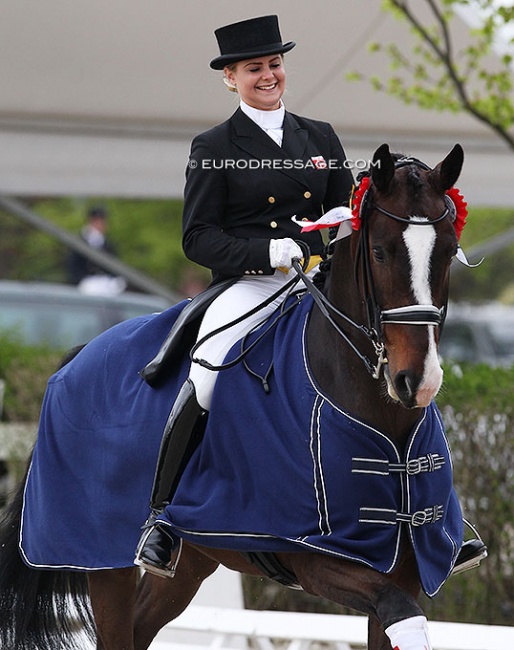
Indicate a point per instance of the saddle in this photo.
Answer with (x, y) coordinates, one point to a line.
(182, 336)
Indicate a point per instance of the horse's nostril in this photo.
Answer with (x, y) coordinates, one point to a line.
(406, 385)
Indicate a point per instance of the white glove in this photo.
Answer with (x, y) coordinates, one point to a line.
(282, 252)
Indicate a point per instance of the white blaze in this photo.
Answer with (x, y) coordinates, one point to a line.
(420, 245)
(420, 241)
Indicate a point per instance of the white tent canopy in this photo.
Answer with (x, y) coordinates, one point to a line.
(103, 98)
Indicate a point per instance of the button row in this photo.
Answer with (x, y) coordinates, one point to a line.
(306, 195)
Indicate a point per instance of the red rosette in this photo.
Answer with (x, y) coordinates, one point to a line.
(461, 209)
(454, 194)
(357, 200)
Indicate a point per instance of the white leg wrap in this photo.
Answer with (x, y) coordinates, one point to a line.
(410, 634)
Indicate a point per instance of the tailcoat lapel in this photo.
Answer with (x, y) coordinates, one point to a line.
(249, 137)
(295, 138)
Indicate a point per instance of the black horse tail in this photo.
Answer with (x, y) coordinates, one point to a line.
(39, 610)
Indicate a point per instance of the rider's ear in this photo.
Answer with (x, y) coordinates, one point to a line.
(448, 170)
(382, 170)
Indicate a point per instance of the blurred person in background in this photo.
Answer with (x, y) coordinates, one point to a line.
(88, 276)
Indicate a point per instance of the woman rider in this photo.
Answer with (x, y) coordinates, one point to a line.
(245, 179)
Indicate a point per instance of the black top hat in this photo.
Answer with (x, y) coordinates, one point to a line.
(248, 39)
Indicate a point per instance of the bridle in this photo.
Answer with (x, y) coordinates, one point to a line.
(407, 315)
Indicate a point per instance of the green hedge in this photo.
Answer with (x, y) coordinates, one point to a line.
(25, 370)
(478, 410)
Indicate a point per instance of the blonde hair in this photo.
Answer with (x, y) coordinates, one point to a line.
(230, 86)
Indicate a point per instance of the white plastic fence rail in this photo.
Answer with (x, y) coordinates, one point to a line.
(211, 628)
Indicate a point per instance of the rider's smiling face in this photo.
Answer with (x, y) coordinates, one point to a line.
(260, 82)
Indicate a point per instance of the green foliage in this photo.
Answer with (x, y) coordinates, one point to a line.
(478, 388)
(25, 370)
(494, 278)
(478, 412)
(445, 75)
(146, 233)
(27, 254)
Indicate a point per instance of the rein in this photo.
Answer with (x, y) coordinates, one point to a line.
(327, 309)
(287, 288)
(408, 315)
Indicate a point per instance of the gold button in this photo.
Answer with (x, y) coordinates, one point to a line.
(273, 224)
(271, 199)
(307, 195)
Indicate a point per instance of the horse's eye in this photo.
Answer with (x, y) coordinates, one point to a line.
(378, 254)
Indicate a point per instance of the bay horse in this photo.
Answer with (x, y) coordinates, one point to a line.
(371, 351)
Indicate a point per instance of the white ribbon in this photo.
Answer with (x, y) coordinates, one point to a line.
(334, 217)
(461, 256)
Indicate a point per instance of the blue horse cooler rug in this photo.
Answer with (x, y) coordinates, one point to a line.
(284, 471)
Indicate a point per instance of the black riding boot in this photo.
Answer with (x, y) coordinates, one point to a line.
(183, 431)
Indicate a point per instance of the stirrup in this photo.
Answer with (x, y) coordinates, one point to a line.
(472, 552)
(158, 566)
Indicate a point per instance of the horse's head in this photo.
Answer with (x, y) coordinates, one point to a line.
(404, 247)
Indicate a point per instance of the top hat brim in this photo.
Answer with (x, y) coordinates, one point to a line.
(226, 59)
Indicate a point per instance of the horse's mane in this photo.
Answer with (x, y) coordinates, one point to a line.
(324, 269)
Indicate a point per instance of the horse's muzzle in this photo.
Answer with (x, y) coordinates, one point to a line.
(412, 390)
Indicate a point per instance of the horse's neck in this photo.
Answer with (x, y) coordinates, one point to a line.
(338, 370)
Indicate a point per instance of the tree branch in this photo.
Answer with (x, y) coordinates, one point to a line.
(446, 58)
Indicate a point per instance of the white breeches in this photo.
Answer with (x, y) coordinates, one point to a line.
(241, 297)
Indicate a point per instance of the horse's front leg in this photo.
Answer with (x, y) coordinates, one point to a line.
(113, 595)
(377, 638)
(160, 600)
(397, 620)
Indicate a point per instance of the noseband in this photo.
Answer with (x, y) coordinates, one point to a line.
(408, 315)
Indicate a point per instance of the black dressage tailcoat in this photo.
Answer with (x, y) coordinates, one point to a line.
(242, 190)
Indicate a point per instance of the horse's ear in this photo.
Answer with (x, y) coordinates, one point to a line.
(448, 170)
(382, 170)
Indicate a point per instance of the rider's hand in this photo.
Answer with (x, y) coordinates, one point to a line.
(282, 252)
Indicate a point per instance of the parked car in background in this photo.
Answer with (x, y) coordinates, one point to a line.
(62, 316)
(479, 334)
